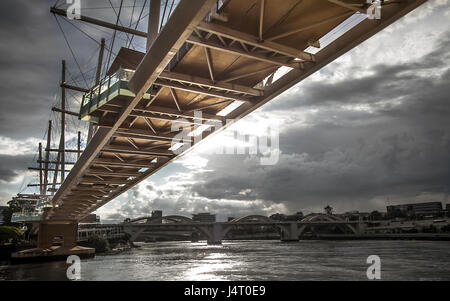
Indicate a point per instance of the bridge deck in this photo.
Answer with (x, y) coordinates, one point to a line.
(200, 65)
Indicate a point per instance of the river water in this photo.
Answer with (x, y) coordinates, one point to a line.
(254, 260)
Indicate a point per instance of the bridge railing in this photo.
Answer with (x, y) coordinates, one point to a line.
(109, 231)
(32, 216)
(25, 217)
(117, 83)
(111, 87)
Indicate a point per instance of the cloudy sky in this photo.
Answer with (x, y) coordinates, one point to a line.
(370, 129)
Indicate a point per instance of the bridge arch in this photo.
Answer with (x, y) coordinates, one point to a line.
(322, 217)
(325, 218)
(249, 218)
(128, 226)
(213, 233)
(171, 218)
(174, 218)
(243, 219)
(135, 220)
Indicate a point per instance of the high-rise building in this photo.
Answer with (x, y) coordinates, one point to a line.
(417, 208)
(91, 219)
(204, 217)
(157, 213)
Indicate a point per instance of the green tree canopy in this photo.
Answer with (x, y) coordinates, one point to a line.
(10, 234)
(13, 206)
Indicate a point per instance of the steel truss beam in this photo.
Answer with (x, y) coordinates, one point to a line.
(207, 83)
(165, 114)
(121, 149)
(240, 51)
(94, 180)
(188, 88)
(106, 173)
(253, 42)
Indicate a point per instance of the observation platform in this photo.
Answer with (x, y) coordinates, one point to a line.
(112, 91)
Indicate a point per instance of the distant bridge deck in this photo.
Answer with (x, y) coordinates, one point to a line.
(204, 59)
(246, 223)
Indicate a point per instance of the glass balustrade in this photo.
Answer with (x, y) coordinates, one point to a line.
(107, 90)
(25, 217)
(113, 86)
(35, 214)
(117, 84)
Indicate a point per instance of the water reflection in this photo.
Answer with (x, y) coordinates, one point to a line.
(254, 260)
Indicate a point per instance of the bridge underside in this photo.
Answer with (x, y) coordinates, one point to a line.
(198, 64)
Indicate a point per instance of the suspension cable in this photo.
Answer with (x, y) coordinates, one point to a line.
(70, 48)
(118, 15)
(114, 35)
(90, 37)
(131, 20)
(137, 23)
(164, 14)
(170, 11)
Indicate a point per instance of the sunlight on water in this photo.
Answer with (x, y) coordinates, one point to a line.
(255, 260)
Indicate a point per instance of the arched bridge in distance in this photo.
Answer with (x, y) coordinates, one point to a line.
(215, 232)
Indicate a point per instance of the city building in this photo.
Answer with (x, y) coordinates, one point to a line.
(91, 219)
(283, 217)
(354, 215)
(204, 217)
(427, 208)
(157, 213)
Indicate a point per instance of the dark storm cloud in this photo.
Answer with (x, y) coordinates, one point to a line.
(12, 166)
(31, 51)
(386, 82)
(29, 69)
(343, 155)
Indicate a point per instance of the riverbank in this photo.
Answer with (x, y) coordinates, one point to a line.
(103, 245)
(384, 236)
(25, 252)
(56, 253)
(371, 236)
(7, 249)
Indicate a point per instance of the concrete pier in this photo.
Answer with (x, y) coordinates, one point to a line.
(56, 241)
(290, 232)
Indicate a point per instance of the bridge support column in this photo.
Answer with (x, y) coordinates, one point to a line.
(133, 232)
(62, 233)
(56, 241)
(290, 232)
(194, 236)
(360, 228)
(215, 234)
